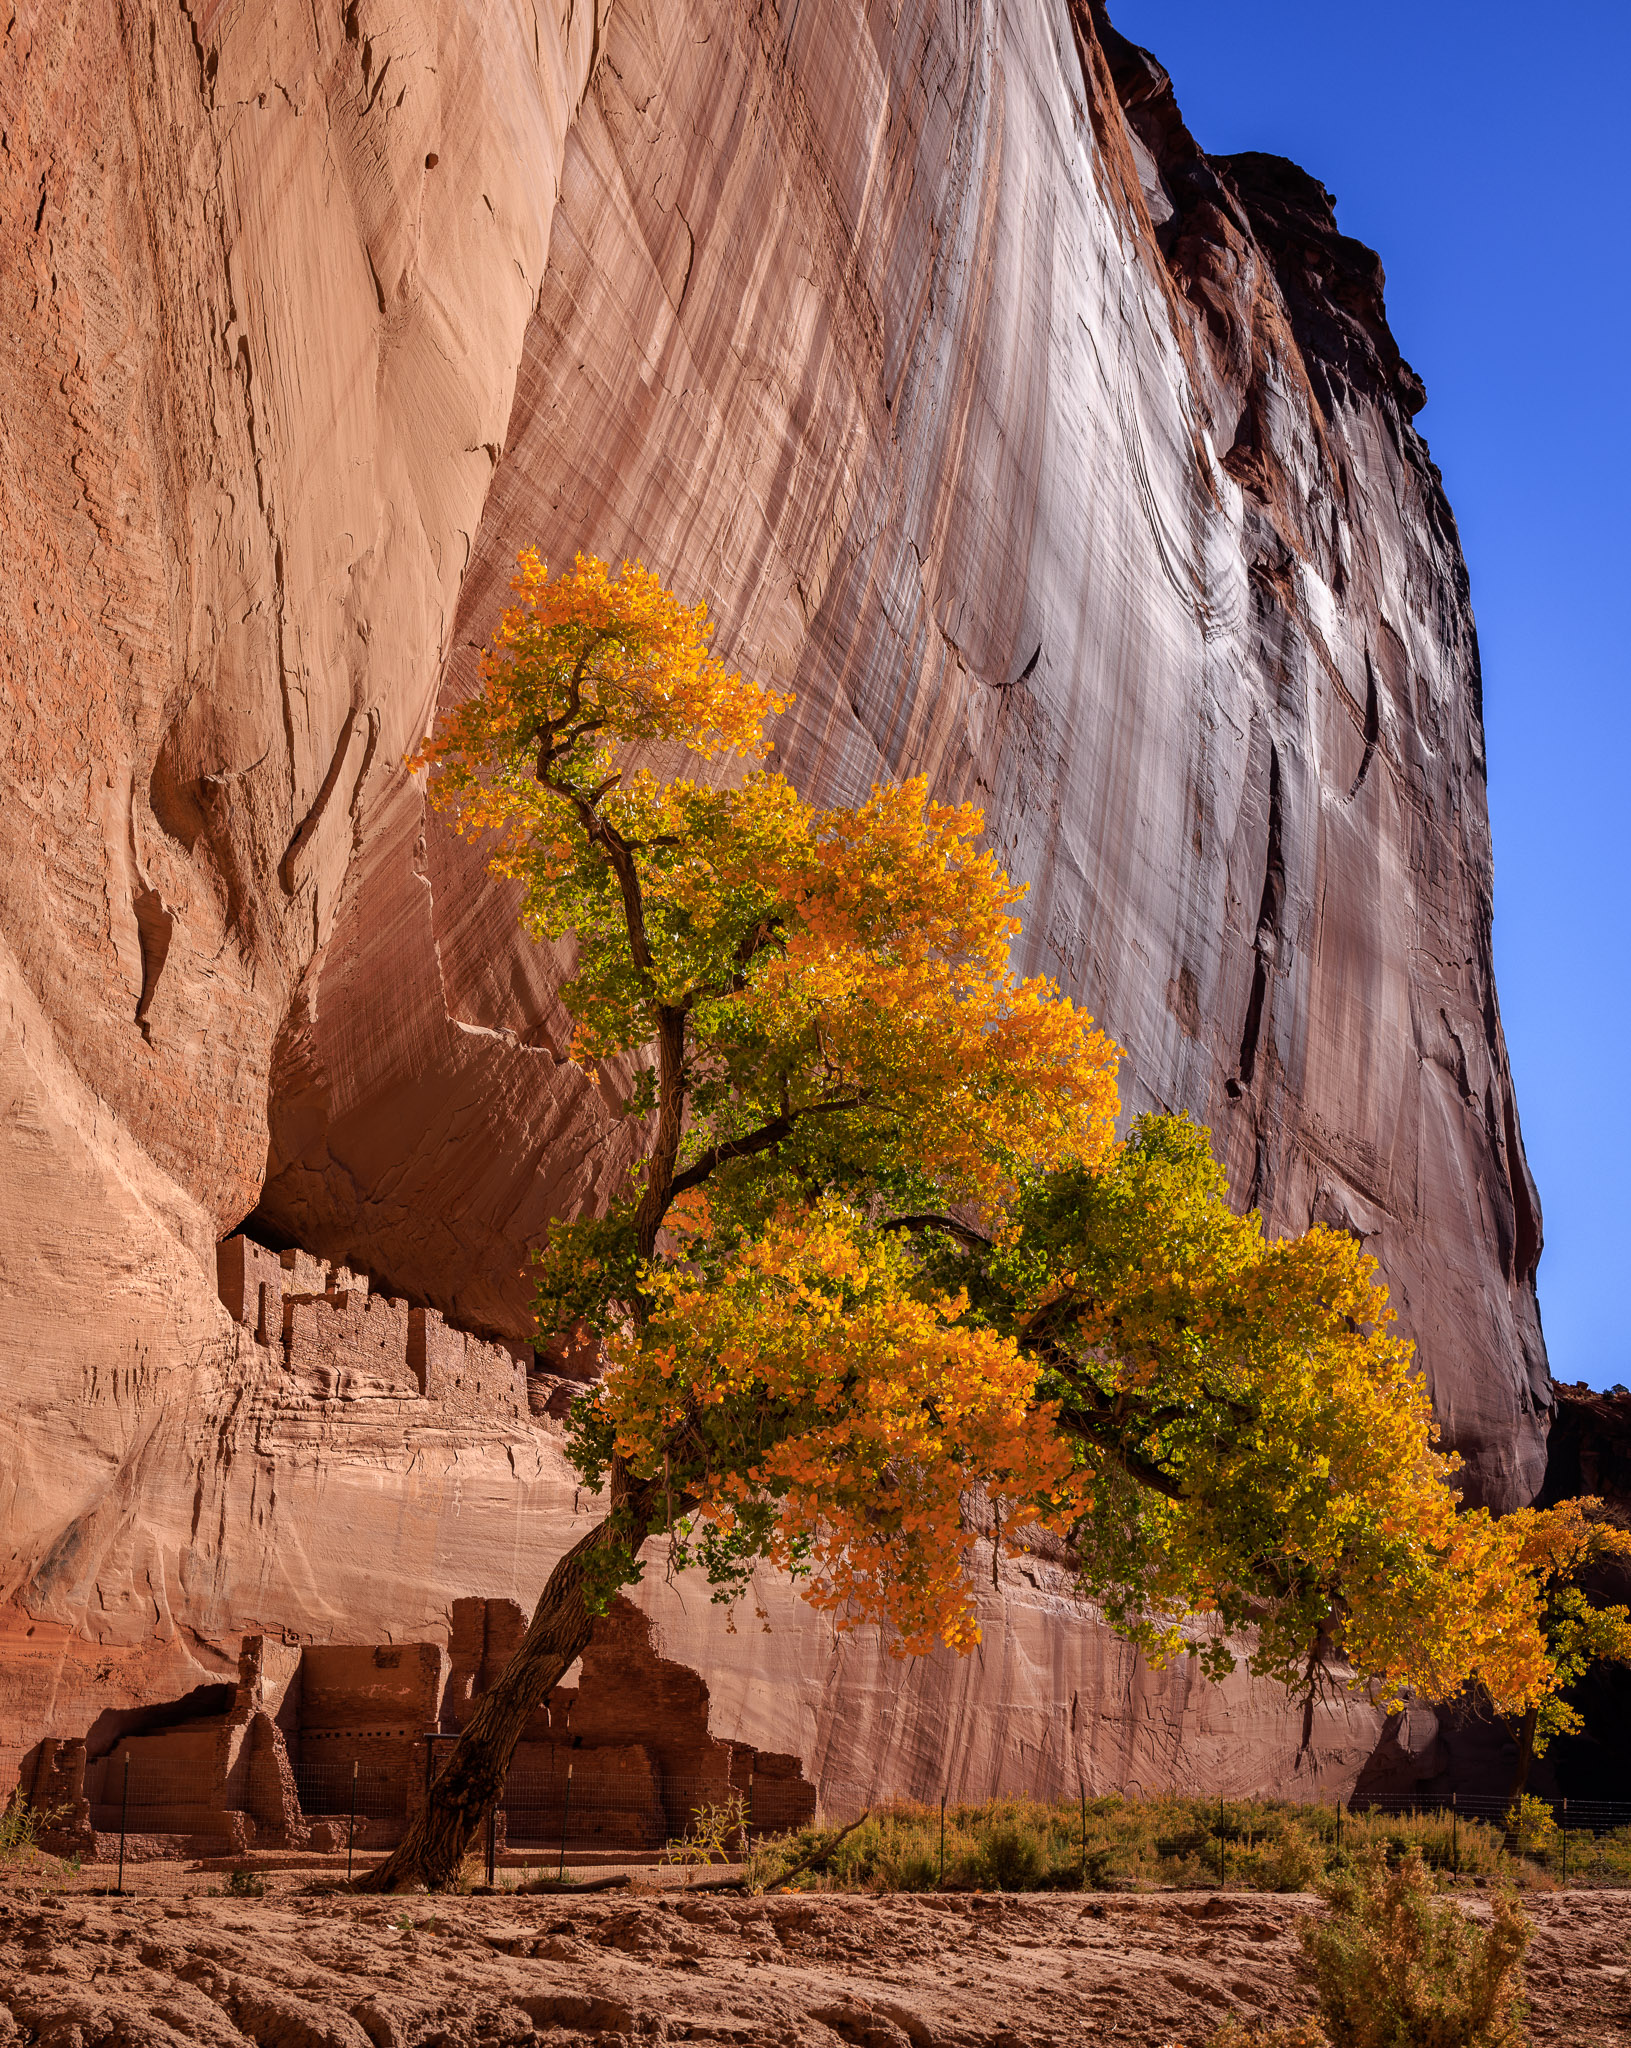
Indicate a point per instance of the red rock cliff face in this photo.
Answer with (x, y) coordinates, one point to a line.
(1030, 447)
(1034, 450)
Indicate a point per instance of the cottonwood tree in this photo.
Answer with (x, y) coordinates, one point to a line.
(1563, 1551)
(882, 1256)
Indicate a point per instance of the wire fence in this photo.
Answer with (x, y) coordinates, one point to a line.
(1582, 1816)
(617, 1806)
(614, 1804)
(365, 1792)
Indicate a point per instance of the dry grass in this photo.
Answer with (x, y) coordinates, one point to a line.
(1257, 1845)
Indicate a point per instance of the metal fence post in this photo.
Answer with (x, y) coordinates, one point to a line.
(492, 1842)
(1081, 1786)
(566, 1808)
(124, 1809)
(351, 1825)
(1222, 1878)
(1563, 1843)
(942, 1837)
(1455, 1838)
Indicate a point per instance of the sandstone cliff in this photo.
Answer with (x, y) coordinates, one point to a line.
(1028, 445)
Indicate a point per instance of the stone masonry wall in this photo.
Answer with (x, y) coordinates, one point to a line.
(344, 1340)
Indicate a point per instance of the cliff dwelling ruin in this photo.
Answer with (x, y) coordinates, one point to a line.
(321, 1744)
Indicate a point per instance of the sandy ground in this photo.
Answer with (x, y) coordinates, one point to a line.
(302, 1969)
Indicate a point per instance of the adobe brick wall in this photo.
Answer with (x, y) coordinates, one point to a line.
(372, 1686)
(466, 1374)
(633, 1733)
(345, 1341)
(632, 1738)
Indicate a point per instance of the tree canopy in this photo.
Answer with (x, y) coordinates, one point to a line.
(883, 1275)
(1562, 1551)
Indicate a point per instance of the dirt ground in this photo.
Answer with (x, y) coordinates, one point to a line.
(307, 1969)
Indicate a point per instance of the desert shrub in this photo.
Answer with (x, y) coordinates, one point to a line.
(1234, 2033)
(893, 1851)
(1013, 1856)
(242, 1883)
(1611, 1853)
(1027, 1845)
(1474, 1848)
(1002, 1845)
(1287, 1859)
(1532, 1828)
(714, 1834)
(21, 1826)
(19, 1832)
(1397, 1967)
(1269, 1845)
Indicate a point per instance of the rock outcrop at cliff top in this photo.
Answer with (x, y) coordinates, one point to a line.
(1031, 447)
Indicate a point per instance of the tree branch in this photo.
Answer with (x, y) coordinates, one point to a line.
(665, 1145)
(949, 1224)
(621, 859)
(1133, 1463)
(761, 1140)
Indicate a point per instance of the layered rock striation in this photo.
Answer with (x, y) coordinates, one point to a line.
(1030, 447)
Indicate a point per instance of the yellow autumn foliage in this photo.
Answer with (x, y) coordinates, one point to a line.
(883, 1259)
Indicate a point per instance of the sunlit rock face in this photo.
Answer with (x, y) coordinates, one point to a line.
(1032, 449)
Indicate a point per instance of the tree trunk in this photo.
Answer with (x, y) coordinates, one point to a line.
(433, 1850)
(665, 1140)
(1526, 1756)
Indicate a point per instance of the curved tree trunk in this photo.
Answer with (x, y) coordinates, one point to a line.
(433, 1850)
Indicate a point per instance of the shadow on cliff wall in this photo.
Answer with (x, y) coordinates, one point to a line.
(1463, 1748)
(112, 1725)
(1589, 1452)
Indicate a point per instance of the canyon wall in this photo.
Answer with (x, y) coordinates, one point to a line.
(1027, 445)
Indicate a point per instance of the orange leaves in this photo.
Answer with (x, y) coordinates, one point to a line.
(843, 974)
(1503, 1609)
(893, 981)
(1558, 1542)
(1228, 1425)
(619, 657)
(861, 1408)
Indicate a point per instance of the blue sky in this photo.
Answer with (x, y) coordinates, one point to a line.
(1482, 150)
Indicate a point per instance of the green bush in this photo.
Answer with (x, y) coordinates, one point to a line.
(714, 1834)
(1034, 1845)
(1398, 1967)
(19, 1832)
(1532, 1828)
(1287, 1859)
(1611, 1854)
(1004, 1845)
(1014, 1856)
(21, 1827)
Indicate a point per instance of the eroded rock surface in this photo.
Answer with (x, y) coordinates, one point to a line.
(822, 1970)
(1029, 446)
(1033, 449)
